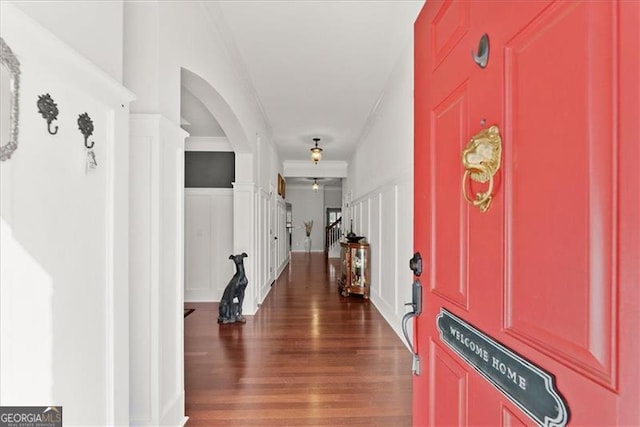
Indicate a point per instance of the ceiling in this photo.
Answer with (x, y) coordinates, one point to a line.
(317, 67)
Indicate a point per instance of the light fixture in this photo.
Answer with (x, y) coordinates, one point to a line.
(316, 152)
(315, 185)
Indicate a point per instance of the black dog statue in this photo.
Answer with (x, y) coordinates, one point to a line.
(230, 309)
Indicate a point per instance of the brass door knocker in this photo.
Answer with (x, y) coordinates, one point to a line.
(481, 161)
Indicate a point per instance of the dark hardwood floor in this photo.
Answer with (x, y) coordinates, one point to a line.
(308, 357)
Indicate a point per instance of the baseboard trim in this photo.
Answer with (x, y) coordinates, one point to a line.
(174, 410)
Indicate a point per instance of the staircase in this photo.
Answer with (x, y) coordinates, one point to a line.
(332, 236)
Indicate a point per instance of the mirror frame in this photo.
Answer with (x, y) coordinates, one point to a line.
(9, 60)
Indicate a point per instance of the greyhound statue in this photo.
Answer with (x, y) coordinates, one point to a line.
(230, 308)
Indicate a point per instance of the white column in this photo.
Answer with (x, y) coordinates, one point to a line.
(244, 239)
(156, 271)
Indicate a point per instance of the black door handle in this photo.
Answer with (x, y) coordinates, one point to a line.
(415, 264)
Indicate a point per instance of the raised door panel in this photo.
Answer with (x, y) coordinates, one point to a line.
(448, 389)
(449, 26)
(510, 419)
(450, 221)
(560, 186)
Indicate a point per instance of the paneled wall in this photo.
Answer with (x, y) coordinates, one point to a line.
(270, 239)
(208, 242)
(381, 216)
(378, 193)
(264, 239)
(281, 234)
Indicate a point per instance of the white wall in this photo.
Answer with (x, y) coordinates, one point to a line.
(306, 205)
(333, 197)
(379, 192)
(93, 29)
(63, 240)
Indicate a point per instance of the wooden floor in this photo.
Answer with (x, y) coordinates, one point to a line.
(308, 357)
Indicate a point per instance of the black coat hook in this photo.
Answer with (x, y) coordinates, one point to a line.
(85, 124)
(49, 111)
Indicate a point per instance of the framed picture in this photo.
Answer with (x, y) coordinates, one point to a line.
(281, 186)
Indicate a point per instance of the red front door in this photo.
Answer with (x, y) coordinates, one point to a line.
(549, 271)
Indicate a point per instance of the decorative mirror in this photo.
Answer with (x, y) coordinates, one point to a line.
(9, 110)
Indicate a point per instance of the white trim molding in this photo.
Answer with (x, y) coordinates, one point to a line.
(207, 143)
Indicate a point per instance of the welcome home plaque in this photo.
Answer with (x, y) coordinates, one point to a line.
(525, 384)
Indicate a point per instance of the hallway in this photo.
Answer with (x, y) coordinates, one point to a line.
(309, 357)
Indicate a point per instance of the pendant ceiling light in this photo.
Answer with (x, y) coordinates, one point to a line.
(315, 185)
(316, 152)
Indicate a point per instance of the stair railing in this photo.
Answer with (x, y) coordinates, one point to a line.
(332, 234)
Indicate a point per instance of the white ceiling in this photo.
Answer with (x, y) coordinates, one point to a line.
(318, 67)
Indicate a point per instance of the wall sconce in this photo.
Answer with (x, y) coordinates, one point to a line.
(315, 185)
(316, 152)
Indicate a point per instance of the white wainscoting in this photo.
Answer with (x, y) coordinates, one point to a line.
(385, 217)
(263, 241)
(281, 234)
(272, 253)
(208, 242)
